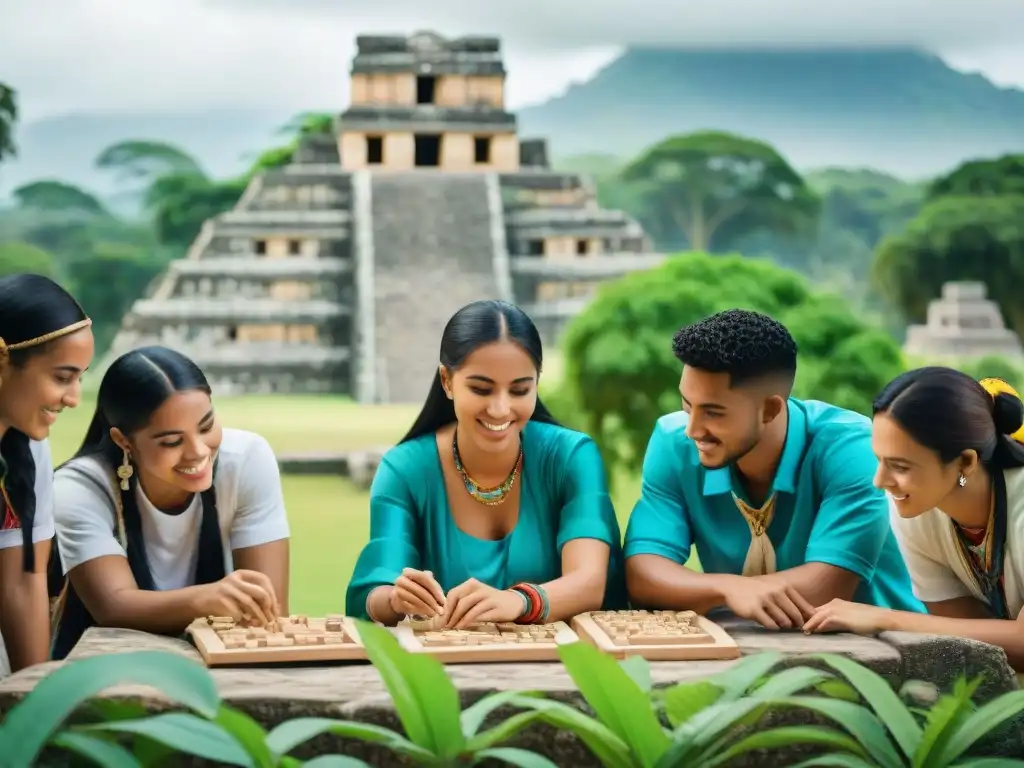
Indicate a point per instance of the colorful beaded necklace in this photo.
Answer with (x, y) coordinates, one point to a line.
(985, 561)
(489, 496)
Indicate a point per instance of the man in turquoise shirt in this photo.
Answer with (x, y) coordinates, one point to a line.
(776, 493)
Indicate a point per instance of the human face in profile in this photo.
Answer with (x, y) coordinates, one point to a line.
(34, 394)
(175, 451)
(495, 394)
(724, 423)
(913, 476)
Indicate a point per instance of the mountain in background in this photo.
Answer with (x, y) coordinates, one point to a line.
(901, 111)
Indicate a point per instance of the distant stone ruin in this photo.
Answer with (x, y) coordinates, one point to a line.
(963, 323)
(337, 273)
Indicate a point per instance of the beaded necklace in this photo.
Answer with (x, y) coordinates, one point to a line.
(489, 496)
(985, 561)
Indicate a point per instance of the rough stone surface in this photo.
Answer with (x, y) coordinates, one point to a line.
(432, 253)
(355, 691)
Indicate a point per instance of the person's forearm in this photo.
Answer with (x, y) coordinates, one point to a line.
(378, 606)
(1008, 635)
(158, 612)
(25, 621)
(574, 593)
(657, 582)
(817, 583)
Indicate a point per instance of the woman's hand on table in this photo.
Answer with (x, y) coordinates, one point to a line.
(473, 601)
(417, 593)
(844, 616)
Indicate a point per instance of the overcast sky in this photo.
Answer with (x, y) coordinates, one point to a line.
(140, 55)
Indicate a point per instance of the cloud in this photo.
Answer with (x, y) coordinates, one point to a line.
(290, 55)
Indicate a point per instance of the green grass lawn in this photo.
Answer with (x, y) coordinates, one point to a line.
(329, 516)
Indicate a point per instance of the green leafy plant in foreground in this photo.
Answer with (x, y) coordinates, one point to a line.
(889, 735)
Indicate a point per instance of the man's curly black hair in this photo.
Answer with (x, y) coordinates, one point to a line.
(746, 345)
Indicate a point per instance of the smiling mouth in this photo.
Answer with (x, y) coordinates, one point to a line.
(895, 497)
(194, 470)
(496, 427)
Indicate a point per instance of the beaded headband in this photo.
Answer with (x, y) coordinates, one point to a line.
(995, 387)
(6, 349)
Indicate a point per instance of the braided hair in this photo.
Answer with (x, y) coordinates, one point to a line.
(35, 312)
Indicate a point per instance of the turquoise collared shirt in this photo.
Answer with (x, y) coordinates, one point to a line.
(563, 496)
(827, 509)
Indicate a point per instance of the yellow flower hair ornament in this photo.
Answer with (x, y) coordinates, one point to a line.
(997, 387)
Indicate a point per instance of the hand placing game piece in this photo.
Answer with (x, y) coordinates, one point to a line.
(472, 602)
(417, 592)
(245, 596)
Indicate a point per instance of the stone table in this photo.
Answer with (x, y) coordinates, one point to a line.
(355, 691)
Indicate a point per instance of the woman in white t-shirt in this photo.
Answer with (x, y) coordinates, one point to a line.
(163, 515)
(954, 472)
(45, 345)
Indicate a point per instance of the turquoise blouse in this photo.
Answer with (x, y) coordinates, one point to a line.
(563, 496)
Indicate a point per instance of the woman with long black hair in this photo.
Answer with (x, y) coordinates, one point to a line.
(954, 473)
(488, 510)
(46, 344)
(163, 515)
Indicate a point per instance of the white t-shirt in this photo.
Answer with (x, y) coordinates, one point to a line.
(250, 508)
(42, 527)
(930, 550)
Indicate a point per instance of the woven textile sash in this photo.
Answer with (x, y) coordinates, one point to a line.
(760, 559)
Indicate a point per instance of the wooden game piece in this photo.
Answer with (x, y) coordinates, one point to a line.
(296, 638)
(658, 635)
(486, 641)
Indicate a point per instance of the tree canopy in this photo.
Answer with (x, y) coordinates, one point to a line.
(716, 187)
(621, 374)
(51, 195)
(970, 229)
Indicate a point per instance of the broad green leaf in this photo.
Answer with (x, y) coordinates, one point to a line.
(639, 671)
(38, 715)
(991, 762)
(473, 716)
(184, 732)
(609, 749)
(288, 735)
(838, 689)
(940, 723)
(980, 723)
(858, 721)
(683, 700)
(836, 761)
(790, 681)
(882, 699)
(777, 738)
(103, 753)
(426, 701)
(334, 761)
(691, 738)
(114, 709)
(616, 699)
(249, 734)
(741, 676)
(502, 732)
(517, 757)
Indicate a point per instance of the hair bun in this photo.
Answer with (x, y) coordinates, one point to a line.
(1008, 412)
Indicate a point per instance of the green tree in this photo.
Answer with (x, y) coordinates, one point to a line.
(24, 257)
(956, 238)
(717, 187)
(181, 202)
(8, 117)
(51, 195)
(145, 161)
(621, 373)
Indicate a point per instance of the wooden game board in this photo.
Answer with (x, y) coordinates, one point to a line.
(656, 635)
(485, 642)
(294, 639)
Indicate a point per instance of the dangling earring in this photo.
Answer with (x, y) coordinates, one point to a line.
(125, 471)
(961, 481)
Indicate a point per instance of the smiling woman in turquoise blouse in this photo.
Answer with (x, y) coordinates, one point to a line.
(488, 510)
